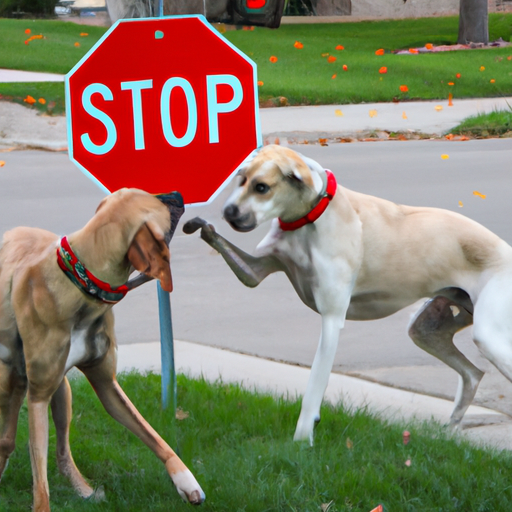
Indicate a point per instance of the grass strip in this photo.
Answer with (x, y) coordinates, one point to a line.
(314, 71)
(493, 124)
(239, 446)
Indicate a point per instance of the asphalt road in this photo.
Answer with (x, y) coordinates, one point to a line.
(211, 307)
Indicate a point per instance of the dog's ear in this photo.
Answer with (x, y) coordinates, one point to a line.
(149, 254)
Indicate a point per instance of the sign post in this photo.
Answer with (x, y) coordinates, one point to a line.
(163, 104)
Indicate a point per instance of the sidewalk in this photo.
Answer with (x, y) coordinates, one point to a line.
(21, 126)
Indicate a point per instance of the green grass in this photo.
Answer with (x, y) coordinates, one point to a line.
(239, 446)
(495, 123)
(304, 76)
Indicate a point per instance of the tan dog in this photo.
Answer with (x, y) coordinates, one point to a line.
(358, 257)
(52, 319)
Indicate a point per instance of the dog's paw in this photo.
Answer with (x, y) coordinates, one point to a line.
(193, 225)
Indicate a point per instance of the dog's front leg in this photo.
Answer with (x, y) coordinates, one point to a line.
(319, 378)
(250, 270)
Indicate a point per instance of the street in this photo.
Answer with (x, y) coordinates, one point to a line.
(211, 307)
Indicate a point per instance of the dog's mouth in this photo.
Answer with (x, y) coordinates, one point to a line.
(237, 220)
(243, 228)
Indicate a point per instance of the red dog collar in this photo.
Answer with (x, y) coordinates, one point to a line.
(83, 279)
(318, 209)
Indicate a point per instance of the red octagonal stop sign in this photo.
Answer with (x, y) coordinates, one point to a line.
(163, 104)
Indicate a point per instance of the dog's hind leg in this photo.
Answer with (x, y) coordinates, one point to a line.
(432, 329)
(62, 413)
(13, 388)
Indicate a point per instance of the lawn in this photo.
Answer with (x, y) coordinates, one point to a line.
(239, 446)
(311, 72)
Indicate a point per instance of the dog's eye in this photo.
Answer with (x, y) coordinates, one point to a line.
(261, 188)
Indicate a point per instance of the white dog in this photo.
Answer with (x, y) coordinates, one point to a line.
(358, 257)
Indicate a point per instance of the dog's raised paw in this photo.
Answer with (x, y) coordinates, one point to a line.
(193, 225)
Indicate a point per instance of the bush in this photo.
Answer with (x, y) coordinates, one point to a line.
(18, 8)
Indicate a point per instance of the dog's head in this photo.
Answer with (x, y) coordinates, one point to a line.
(140, 225)
(274, 182)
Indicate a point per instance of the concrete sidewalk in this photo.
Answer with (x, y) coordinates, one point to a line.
(23, 126)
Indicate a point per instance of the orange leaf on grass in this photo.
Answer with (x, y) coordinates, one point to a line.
(429, 46)
(451, 83)
(260, 83)
(325, 55)
(77, 44)
(413, 50)
(380, 51)
(298, 45)
(273, 58)
(383, 70)
(42, 101)
(29, 99)
(340, 47)
(83, 34)
(492, 80)
(331, 59)
(345, 67)
(404, 88)
(333, 76)
(457, 75)
(27, 31)
(482, 68)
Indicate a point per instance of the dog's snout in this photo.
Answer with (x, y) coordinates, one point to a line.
(231, 212)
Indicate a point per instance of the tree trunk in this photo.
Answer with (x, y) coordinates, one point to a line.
(473, 22)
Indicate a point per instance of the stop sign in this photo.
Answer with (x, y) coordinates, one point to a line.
(162, 104)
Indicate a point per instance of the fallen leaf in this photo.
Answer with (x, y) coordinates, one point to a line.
(322, 141)
(77, 44)
(331, 59)
(404, 115)
(2, 163)
(340, 47)
(298, 45)
(273, 58)
(378, 508)
(478, 194)
(482, 68)
(333, 76)
(260, 83)
(450, 98)
(451, 83)
(492, 80)
(338, 113)
(460, 204)
(373, 113)
(326, 506)
(445, 157)
(349, 443)
(404, 88)
(251, 28)
(429, 46)
(42, 101)
(438, 108)
(406, 437)
(449, 136)
(27, 31)
(29, 100)
(457, 75)
(383, 70)
(83, 34)
(325, 55)
(181, 414)
(380, 51)
(345, 67)
(413, 50)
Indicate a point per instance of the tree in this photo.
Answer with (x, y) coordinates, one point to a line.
(473, 22)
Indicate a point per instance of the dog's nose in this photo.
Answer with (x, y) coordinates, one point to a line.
(231, 212)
